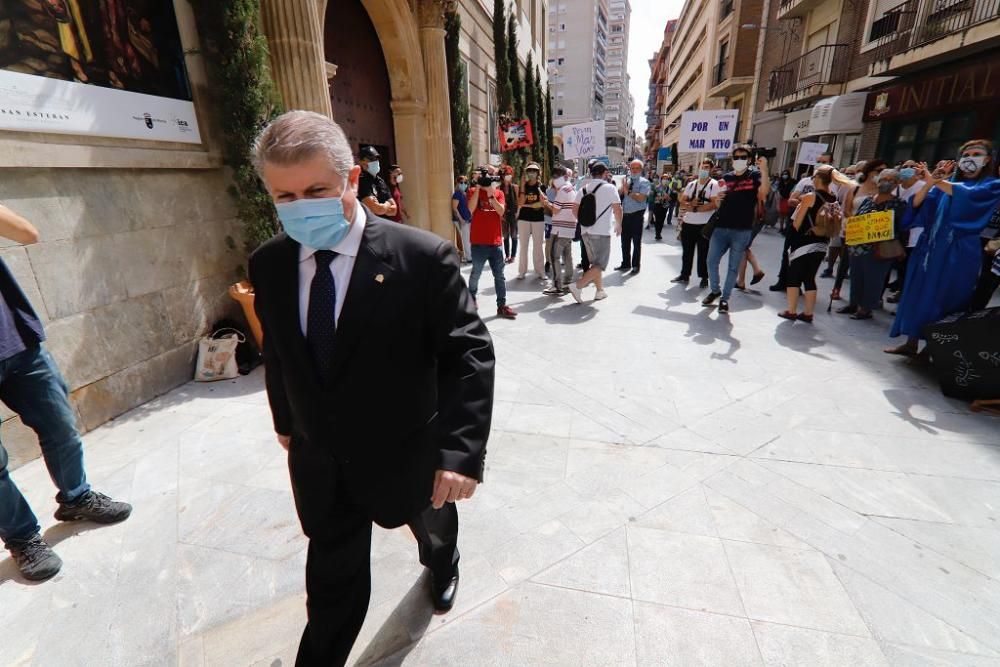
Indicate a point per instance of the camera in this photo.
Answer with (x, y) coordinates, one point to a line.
(485, 180)
(768, 153)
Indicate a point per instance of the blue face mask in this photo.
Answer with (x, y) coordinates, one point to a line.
(316, 223)
(374, 167)
(463, 186)
(703, 174)
(906, 173)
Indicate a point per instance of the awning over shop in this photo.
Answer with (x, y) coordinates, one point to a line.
(837, 115)
(767, 128)
(796, 125)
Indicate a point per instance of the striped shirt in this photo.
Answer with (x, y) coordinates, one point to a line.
(564, 220)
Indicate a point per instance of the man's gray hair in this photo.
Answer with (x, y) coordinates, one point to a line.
(295, 137)
(889, 173)
(638, 162)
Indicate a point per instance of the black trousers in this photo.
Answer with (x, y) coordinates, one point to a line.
(783, 272)
(338, 576)
(632, 240)
(659, 215)
(691, 241)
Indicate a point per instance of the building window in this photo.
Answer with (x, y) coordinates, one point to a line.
(926, 140)
(720, 66)
(559, 112)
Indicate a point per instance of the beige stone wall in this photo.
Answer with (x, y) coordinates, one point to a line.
(132, 268)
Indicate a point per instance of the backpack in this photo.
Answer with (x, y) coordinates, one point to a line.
(829, 220)
(587, 217)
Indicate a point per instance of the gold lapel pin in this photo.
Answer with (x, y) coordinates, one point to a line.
(379, 278)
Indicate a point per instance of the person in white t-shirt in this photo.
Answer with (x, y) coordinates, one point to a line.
(597, 238)
(697, 206)
(563, 231)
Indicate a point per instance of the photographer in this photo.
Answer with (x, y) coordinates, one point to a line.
(488, 204)
(737, 200)
(697, 205)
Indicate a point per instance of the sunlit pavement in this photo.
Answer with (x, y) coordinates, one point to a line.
(664, 485)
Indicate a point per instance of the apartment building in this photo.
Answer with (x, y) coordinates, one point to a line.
(588, 68)
(476, 45)
(879, 78)
(659, 66)
(712, 64)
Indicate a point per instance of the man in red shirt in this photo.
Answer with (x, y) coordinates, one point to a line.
(486, 235)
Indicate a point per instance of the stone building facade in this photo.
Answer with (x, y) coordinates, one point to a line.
(139, 242)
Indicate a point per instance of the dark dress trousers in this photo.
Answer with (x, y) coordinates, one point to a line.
(411, 393)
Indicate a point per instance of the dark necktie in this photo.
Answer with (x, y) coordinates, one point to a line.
(321, 324)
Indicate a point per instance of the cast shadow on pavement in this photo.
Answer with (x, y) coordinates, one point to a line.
(400, 632)
(702, 329)
(570, 313)
(799, 337)
(53, 536)
(902, 401)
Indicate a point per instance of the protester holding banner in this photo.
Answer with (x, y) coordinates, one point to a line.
(870, 262)
(945, 264)
(867, 186)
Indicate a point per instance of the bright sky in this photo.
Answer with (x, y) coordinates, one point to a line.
(649, 18)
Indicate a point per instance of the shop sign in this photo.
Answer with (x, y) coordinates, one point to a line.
(973, 84)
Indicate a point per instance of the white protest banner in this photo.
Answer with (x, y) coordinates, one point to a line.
(583, 140)
(708, 131)
(809, 151)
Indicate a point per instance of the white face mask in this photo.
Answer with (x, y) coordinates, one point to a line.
(970, 164)
(559, 182)
(399, 179)
(508, 178)
(739, 166)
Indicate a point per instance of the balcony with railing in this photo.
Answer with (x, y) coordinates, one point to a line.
(727, 8)
(815, 74)
(724, 84)
(922, 33)
(788, 9)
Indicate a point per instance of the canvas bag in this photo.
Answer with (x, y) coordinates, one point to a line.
(217, 356)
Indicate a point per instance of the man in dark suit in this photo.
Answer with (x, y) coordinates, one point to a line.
(379, 376)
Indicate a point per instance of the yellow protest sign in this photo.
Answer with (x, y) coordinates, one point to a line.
(870, 228)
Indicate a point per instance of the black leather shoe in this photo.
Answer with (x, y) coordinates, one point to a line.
(622, 267)
(777, 287)
(443, 596)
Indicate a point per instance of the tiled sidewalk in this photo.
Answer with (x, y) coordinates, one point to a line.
(664, 487)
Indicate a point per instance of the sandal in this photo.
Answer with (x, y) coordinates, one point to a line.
(862, 315)
(788, 315)
(904, 350)
(757, 277)
(835, 295)
(847, 310)
(742, 288)
(804, 317)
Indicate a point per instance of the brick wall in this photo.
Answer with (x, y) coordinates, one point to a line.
(744, 42)
(869, 140)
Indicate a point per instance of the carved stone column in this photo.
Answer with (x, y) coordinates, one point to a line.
(294, 32)
(438, 157)
(411, 152)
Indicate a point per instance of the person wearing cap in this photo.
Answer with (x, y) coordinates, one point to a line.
(531, 202)
(597, 237)
(372, 190)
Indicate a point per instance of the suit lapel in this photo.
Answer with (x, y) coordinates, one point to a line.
(288, 307)
(369, 280)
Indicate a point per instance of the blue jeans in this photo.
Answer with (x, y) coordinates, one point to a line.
(31, 386)
(734, 241)
(494, 255)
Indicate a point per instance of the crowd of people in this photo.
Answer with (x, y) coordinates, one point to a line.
(942, 256)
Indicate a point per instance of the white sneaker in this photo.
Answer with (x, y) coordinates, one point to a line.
(575, 291)
(520, 276)
(600, 295)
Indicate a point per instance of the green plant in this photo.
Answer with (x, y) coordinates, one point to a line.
(461, 132)
(549, 145)
(531, 102)
(246, 99)
(540, 151)
(505, 93)
(516, 85)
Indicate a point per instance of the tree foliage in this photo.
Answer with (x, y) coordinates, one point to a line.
(461, 132)
(246, 99)
(549, 144)
(516, 85)
(530, 100)
(505, 94)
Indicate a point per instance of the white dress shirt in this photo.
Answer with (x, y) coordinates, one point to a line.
(341, 267)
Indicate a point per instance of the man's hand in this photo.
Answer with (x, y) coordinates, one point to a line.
(762, 164)
(284, 441)
(450, 487)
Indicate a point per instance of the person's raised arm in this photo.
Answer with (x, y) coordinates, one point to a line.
(499, 207)
(765, 179)
(800, 213)
(16, 228)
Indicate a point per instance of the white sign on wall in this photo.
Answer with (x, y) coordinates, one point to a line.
(708, 131)
(809, 152)
(583, 140)
(41, 104)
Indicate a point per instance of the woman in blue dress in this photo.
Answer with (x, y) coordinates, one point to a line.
(944, 267)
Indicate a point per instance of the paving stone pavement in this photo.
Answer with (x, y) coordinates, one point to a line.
(664, 486)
